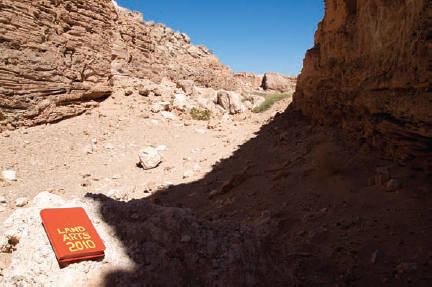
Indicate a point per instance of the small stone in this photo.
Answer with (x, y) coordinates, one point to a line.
(168, 115)
(212, 124)
(196, 167)
(186, 238)
(128, 92)
(165, 185)
(88, 149)
(324, 209)
(22, 201)
(9, 175)
(3, 199)
(149, 158)
(108, 146)
(114, 193)
(188, 174)
(200, 131)
(393, 185)
(161, 147)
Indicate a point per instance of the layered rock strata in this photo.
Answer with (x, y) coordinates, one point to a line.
(57, 58)
(55, 55)
(368, 72)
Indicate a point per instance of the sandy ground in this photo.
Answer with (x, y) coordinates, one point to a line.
(335, 227)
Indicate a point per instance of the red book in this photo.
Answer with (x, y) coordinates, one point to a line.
(72, 234)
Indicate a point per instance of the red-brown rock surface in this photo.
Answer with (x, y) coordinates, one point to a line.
(368, 72)
(57, 57)
(54, 57)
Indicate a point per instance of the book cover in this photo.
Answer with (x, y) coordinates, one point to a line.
(72, 234)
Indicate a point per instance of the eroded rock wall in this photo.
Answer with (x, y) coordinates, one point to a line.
(58, 57)
(54, 58)
(368, 72)
(153, 51)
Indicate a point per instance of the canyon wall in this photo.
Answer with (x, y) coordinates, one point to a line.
(368, 72)
(54, 58)
(58, 58)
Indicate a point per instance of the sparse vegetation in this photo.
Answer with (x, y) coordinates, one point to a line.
(269, 101)
(200, 115)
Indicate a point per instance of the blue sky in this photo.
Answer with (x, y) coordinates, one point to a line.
(248, 36)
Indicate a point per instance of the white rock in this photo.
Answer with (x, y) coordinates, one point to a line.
(161, 147)
(3, 199)
(115, 194)
(47, 200)
(180, 102)
(160, 106)
(22, 201)
(108, 146)
(188, 174)
(149, 157)
(196, 167)
(9, 175)
(168, 115)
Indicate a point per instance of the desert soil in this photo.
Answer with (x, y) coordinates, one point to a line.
(335, 226)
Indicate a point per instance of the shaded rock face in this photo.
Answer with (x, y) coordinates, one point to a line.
(52, 55)
(368, 72)
(58, 57)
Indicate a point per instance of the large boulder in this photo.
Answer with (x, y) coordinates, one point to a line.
(230, 101)
(279, 83)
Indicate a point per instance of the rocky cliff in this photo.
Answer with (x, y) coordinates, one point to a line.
(368, 73)
(54, 58)
(57, 58)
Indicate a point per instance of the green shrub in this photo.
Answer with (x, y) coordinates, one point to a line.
(269, 101)
(200, 115)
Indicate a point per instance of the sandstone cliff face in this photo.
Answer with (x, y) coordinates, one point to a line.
(58, 57)
(148, 51)
(52, 55)
(368, 72)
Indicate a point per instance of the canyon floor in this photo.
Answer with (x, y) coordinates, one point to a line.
(334, 222)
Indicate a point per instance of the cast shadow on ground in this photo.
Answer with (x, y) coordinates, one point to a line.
(287, 207)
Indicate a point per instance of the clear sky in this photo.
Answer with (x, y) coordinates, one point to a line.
(246, 35)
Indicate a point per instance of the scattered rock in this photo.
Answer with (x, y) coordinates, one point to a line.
(149, 158)
(212, 124)
(22, 201)
(9, 175)
(169, 115)
(188, 174)
(108, 146)
(393, 185)
(3, 199)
